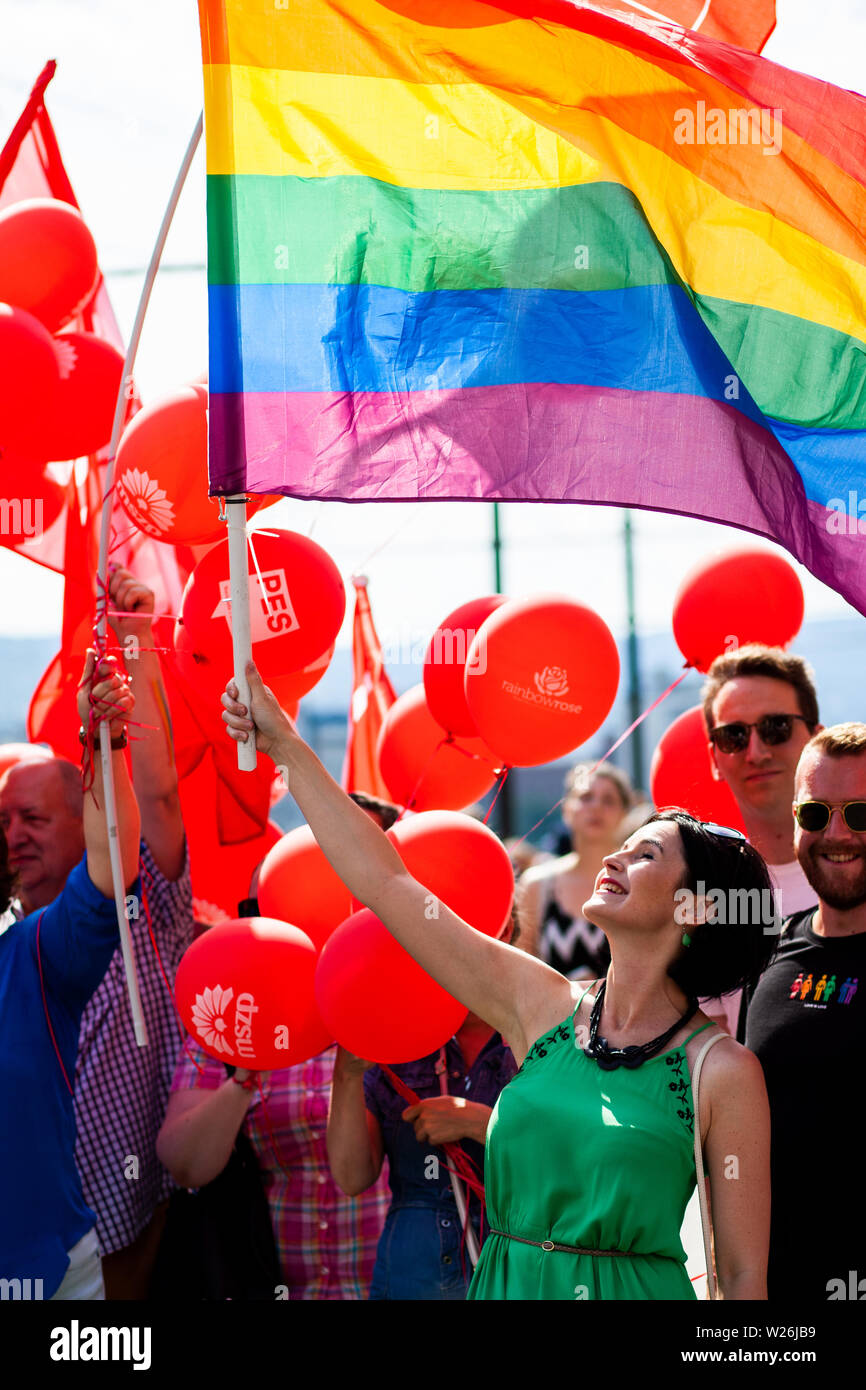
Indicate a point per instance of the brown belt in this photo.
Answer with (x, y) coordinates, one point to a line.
(553, 1245)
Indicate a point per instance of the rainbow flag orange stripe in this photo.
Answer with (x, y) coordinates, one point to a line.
(535, 251)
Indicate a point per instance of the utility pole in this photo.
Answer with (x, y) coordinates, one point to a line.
(635, 701)
(505, 802)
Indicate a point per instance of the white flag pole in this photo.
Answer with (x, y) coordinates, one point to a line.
(239, 591)
(102, 623)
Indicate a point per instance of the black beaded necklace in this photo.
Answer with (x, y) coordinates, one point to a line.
(609, 1058)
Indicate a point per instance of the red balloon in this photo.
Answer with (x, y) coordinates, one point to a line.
(35, 511)
(445, 663)
(376, 1000)
(29, 384)
(297, 884)
(728, 600)
(421, 770)
(681, 773)
(462, 863)
(162, 470)
(541, 677)
(91, 371)
(12, 753)
(295, 621)
(291, 687)
(245, 993)
(47, 260)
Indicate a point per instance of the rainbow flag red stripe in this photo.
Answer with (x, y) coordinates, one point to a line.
(535, 251)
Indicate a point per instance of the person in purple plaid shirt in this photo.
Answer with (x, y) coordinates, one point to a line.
(121, 1090)
(326, 1242)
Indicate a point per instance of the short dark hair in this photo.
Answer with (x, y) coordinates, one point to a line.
(757, 660)
(386, 811)
(723, 955)
(7, 877)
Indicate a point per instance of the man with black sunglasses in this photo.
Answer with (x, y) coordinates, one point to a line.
(760, 710)
(806, 1022)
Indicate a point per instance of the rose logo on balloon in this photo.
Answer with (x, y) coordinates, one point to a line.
(145, 500)
(207, 1015)
(552, 681)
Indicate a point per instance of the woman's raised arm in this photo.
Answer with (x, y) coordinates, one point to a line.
(501, 984)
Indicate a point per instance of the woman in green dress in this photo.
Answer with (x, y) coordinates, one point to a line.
(589, 1160)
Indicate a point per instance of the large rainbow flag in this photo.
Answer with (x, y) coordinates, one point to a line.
(535, 251)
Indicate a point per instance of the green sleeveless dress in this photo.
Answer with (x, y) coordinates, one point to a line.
(583, 1156)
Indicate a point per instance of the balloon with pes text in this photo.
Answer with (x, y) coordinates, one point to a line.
(729, 600)
(245, 994)
(297, 604)
(445, 663)
(90, 375)
(681, 773)
(161, 475)
(47, 260)
(426, 769)
(293, 685)
(29, 385)
(202, 673)
(461, 863)
(297, 884)
(541, 678)
(376, 1000)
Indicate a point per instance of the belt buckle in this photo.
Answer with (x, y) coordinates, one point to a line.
(548, 1245)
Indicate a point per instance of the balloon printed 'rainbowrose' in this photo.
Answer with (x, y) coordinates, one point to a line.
(547, 680)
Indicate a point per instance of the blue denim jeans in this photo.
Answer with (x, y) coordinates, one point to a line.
(419, 1254)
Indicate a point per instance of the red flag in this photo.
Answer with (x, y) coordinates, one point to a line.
(31, 166)
(234, 808)
(372, 697)
(746, 23)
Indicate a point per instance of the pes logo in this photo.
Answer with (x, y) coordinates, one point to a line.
(272, 615)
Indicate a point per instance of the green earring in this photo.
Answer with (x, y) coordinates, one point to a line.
(687, 940)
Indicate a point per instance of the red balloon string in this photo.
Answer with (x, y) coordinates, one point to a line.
(267, 1119)
(641, 717)
(504, 774)
(448, 738)
(463, 1167)
(153, 941)
(630, 730)
(45, 1003)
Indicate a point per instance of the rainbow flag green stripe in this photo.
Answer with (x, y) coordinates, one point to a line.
(267, 230)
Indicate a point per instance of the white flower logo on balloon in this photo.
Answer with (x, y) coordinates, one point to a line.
(146, 502)
(207, 1015)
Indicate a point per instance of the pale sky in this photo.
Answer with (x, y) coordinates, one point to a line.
(124, 101)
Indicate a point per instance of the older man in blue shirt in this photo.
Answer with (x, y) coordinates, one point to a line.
(51, 961)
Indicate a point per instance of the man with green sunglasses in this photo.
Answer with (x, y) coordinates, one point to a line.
(806, 1022)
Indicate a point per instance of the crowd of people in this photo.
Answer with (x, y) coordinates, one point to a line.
(568, 1094)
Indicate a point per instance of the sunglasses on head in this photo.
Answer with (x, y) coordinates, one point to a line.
(722, 832)
(815, 815)
(772, 730)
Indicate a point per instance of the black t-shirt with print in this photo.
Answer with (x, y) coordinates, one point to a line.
(806, 1021)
